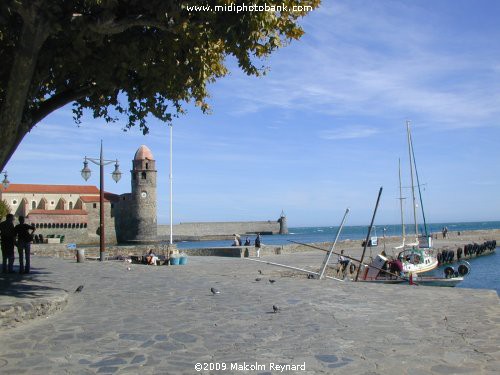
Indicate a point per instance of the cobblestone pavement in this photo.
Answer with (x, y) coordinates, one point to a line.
(165, 320)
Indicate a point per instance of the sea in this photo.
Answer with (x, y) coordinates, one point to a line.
(485, 273)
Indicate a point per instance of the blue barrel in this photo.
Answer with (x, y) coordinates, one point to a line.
(174, 261)
(183, 260)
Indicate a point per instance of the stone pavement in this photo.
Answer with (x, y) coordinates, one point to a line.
(24, 297)
(165, 320)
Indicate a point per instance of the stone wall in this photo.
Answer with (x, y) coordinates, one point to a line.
(93, 223)
(61, 250)
(218, 230)
(92, 252)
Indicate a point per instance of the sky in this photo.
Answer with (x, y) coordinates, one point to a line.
(324, 129)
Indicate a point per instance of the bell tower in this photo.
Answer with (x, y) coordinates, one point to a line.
(143, 202)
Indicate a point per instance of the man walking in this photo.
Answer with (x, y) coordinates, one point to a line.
(8, 234)
(24, 239)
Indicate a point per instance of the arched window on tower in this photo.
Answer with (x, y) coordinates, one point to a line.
(147, 165)
(33, 205)
(70, 205)
(143, 175)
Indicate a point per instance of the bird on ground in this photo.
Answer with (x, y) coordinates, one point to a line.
(276, 309)
(79, 289)
(272, 281)
(260, 272)
(258, 279)
(214, 291)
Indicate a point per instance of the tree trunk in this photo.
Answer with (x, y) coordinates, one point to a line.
(14, 122)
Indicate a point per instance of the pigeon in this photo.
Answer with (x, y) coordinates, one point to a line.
(260, 272)
(214, 291)
(272, 281)
(79, 289)
(276, 308)
(258, 279)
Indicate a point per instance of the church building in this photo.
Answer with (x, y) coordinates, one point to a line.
(71, 212)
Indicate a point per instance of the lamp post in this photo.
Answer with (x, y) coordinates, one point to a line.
(5, 181)
(171, 193)
(116, 175)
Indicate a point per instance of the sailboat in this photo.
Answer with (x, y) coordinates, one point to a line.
(403, 229)
(412, 259)
(415, 259)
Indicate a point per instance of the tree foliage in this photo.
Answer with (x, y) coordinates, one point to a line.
(4, 209)
(127, 57)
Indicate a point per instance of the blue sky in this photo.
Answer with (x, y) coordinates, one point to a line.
(325, 128)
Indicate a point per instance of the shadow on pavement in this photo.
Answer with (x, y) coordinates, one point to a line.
(24, 285)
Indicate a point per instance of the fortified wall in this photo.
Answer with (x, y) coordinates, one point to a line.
(222, 230)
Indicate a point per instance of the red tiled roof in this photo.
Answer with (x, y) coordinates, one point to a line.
(111, 197)
(51, 189)
(57, 212)
(108, 197)
(91, 198)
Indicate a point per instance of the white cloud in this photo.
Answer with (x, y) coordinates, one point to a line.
(375, 62)
(351, 132)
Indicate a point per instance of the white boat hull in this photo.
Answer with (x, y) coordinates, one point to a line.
(421, 281)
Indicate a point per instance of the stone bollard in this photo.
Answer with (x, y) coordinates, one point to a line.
(80, 255)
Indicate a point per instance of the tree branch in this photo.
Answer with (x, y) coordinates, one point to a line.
(57, 101)
(110, 25)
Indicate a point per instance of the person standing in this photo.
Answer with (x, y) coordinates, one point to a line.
(344, 262)
(8, 234)
(236, 240)
(24, 240)
(257, 245)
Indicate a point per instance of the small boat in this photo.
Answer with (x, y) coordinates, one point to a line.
(380, 271)
(417, 260)
(438, 281)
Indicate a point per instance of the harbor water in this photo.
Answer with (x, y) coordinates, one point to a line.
(485, 273)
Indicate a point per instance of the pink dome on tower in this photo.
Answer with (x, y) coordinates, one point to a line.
(143, 153)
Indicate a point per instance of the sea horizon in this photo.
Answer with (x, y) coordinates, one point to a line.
(315, 234)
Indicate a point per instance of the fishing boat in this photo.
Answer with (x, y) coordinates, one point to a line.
(416, 257)
(382, 271)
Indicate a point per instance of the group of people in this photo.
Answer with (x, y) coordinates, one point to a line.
(20, 235)
(257, 243)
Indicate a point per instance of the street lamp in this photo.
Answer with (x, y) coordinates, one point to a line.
(5, 181)
(116, 175)
(171, 194)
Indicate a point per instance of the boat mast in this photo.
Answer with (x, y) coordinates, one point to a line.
(418, 185)
(412, 183)
(401, 205)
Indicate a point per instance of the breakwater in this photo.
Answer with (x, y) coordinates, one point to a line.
(204, 231)
(469, 251)
(352, 247)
